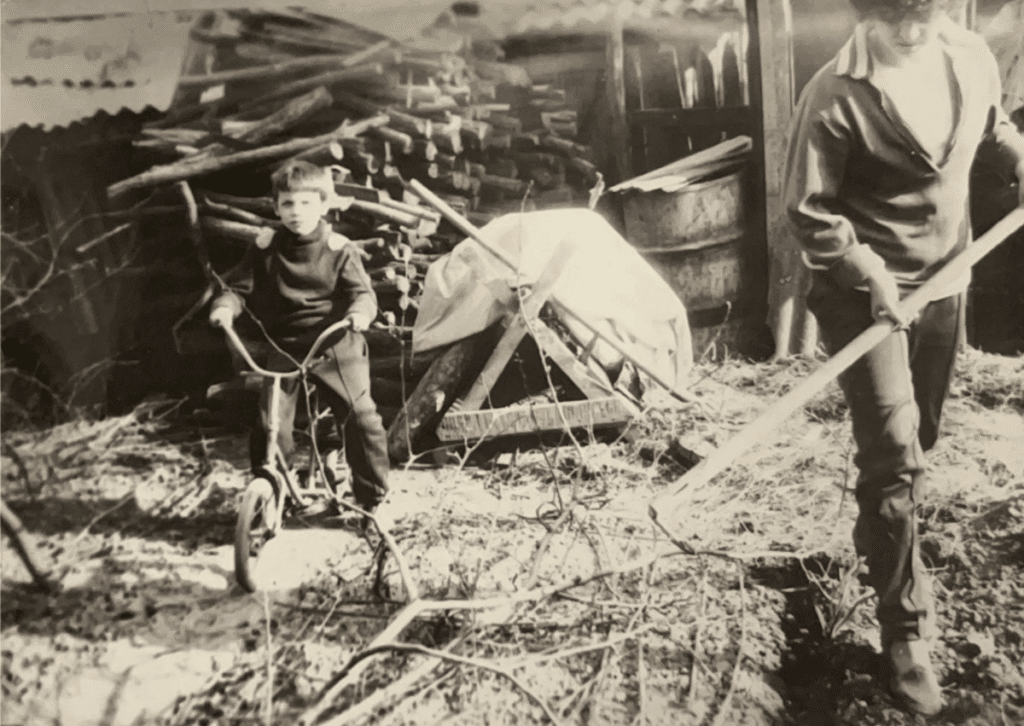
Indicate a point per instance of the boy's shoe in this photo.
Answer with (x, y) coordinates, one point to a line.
(913, 681)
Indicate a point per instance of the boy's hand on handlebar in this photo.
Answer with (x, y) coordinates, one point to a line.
(221, 317)
(357, 322)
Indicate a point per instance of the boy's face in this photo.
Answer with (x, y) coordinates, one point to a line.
(301, 212)
(904, 38)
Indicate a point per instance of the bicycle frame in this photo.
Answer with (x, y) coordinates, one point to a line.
(274, 467)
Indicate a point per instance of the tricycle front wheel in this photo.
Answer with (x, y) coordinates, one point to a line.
(256, 524)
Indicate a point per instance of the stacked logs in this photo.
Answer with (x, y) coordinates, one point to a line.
(265, 87)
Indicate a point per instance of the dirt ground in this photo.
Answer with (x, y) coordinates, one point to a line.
(592, 615)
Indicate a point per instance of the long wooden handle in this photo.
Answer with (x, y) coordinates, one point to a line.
(465, 226)
(763, 428)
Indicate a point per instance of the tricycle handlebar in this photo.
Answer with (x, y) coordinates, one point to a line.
(232, 336)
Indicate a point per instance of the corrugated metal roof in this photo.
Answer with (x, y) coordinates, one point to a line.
(56, 72)
(583, 16)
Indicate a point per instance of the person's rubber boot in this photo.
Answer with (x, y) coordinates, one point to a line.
(913, 681)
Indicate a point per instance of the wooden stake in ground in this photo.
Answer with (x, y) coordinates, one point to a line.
(761, 430)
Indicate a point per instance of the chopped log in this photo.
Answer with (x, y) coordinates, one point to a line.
(237, 214)
(409, 124)
(397, 286)
(266, 72)
(503, 185)
(187, 169)
(505, 122)
(530, 160)
(474, 134)
(587, 171)
(459, 183)
(545, 105)
(564, 146)
(357, 191)
(458, 203)
(263, 206)
(356, 128)
(323, 155)
(447, 139)
(415, 169)
(235, 231)
(508, 73)
(502, 141)
(386, 214)
(425, 149)
(382, 273)
(451, 162)
(477, 170)
(293, 88)
(400, 142)
(434, 395)
(415, 209)
(525, 141)
(290, 115)
(444, 104)
(340, 174)
(362, 162)
(502, 166)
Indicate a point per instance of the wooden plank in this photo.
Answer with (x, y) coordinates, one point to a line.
(516, 330)
(616, 93)
(585, 378)
(793, 327)
(473, 425)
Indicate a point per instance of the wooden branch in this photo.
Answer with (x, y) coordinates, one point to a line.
(447, 140)
(330, 78)
(386, 213)
(288, 116)
(399, 141)
(235, 231)
(263, 206)
(324, 155)
(271, 70)
(188, 169)
(236, 214)
(417, 609)
(358, 191)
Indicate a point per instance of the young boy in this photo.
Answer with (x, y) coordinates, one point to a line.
(876, 187)
(306, 279)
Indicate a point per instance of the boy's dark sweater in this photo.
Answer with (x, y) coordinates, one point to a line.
(299, 285)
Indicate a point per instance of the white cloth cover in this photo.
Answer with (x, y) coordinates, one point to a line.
(605, 281)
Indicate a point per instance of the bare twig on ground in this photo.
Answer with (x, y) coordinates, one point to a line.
(702, 613)
(734, 681)
(451, 657)
(418, 608)
(268, 713)
(13, 528)
(92, 522)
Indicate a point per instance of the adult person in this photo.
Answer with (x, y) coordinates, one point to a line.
(876, 189)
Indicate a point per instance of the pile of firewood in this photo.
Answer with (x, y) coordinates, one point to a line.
(266, 87)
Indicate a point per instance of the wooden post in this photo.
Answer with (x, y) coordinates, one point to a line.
(615, 65)
(793, 327)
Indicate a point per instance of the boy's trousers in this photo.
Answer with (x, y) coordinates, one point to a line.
(895, 393)
(343, 382)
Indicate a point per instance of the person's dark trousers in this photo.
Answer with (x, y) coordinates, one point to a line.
(895, 394)
(343, 382)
